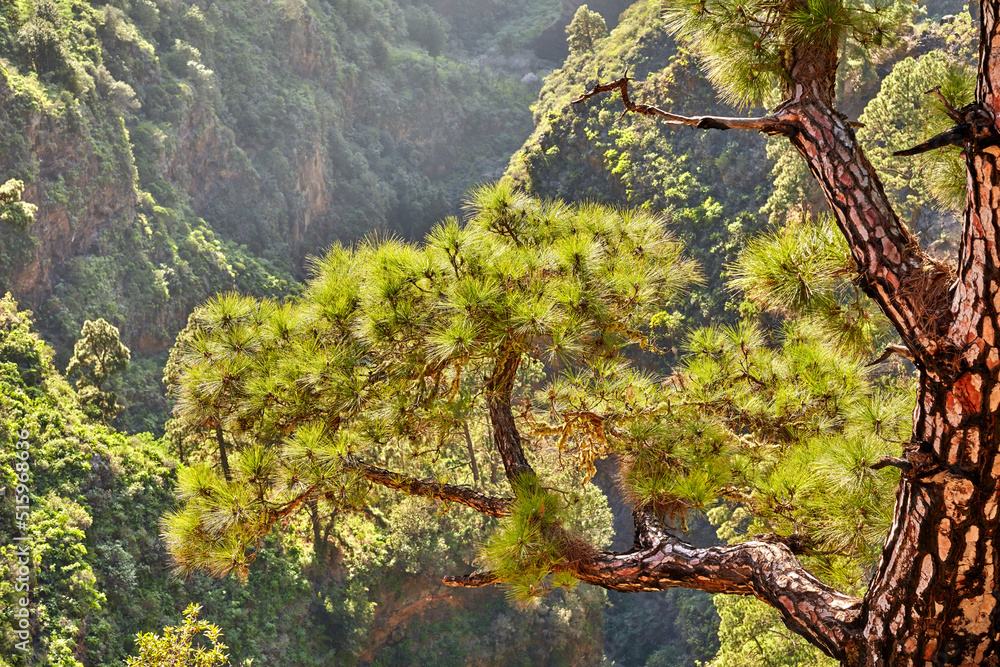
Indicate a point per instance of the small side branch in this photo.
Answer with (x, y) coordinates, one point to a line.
(462, 495)
(890, 350)
(955, 136)
(952, 112)
(766, 124)
(972, 125)
(891, 461)
(474, 580)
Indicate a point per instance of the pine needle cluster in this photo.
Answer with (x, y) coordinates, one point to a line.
(782, 425)
(800, 270)
(531, 548)
(749, 47)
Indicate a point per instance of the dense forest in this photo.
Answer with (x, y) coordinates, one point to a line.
(160, 156)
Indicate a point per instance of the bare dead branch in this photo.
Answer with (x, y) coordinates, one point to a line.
(462, 495)
(952, 112)
(766, 124)
(894, 461)
(970, 121)
(474, 580)
(955, 136)
(891, 349)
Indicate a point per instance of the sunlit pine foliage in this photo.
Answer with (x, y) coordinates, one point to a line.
(783, 423)
(779, 423)
(749, 46)
(801, 270)
(531, 548)
(390, 351)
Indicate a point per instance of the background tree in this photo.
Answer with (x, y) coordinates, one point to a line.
(178, 646)
(39, 39)
(585, 29)
(13, 211)
(97, 356)
(16, 218)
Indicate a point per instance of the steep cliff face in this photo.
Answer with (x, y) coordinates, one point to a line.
(79, 197)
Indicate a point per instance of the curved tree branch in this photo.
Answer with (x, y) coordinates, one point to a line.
(499, 389)
(462, 495)
(765, 569)
(766, 124)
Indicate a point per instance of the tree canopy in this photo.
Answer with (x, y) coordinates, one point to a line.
(585, 29)
(97, 356)
(394, 343)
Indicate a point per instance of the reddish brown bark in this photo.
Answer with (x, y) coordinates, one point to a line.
(461, 495)
(499, 396)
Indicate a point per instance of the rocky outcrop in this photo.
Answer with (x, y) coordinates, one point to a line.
(79, 172)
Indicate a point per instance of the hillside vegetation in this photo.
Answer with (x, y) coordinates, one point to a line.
(176, 149)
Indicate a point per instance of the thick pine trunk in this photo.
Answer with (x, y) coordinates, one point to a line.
(933, 597)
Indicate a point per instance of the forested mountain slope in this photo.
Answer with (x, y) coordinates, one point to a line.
(176, 149)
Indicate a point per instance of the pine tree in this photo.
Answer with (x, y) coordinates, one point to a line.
(98, 355)
(931, 597)
(394, 348)
(585, 29)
